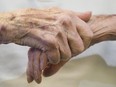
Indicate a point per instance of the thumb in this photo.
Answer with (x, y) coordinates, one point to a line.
(84, 16)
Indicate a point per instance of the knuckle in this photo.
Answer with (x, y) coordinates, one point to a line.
(52, 59)
(64, 19)
(67, 19)
(49, 40)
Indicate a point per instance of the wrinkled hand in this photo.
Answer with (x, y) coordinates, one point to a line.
(78, 38)
(55, 36)
(61, 32)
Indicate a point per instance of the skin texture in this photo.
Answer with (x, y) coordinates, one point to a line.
(103, 30)
(49, 29)
(54, 34)
(83, 38)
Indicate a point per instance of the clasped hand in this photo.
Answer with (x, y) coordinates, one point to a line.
(54, 35)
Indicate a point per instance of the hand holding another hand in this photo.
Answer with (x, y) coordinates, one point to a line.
(78, 38)
(55, 36)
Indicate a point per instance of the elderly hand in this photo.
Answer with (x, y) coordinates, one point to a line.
(55, 36)
(78, 38)
(61, 32)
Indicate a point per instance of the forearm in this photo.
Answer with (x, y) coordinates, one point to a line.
(103, 27)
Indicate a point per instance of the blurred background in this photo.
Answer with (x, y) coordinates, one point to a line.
(96, 67)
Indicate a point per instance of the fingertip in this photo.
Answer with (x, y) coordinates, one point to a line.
(38, 81)
(29, 79)
(88, 13)
(85, 15)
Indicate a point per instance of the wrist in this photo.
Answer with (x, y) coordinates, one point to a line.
(103, 27)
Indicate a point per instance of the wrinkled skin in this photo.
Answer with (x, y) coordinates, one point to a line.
(55, 36)
(78, 38)
(46, 32)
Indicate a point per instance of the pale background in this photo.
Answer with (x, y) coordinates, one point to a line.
(94, 68)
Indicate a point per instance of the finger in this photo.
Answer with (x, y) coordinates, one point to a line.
(76, 44)
(53, 56)
(84, 31)
(36, 65)
(52, 53)
(29, 71)
(74, 40)
(43, 61)
(52, 69)
(47, 42)
(29, 77)
(65, 52)
(84, 16)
